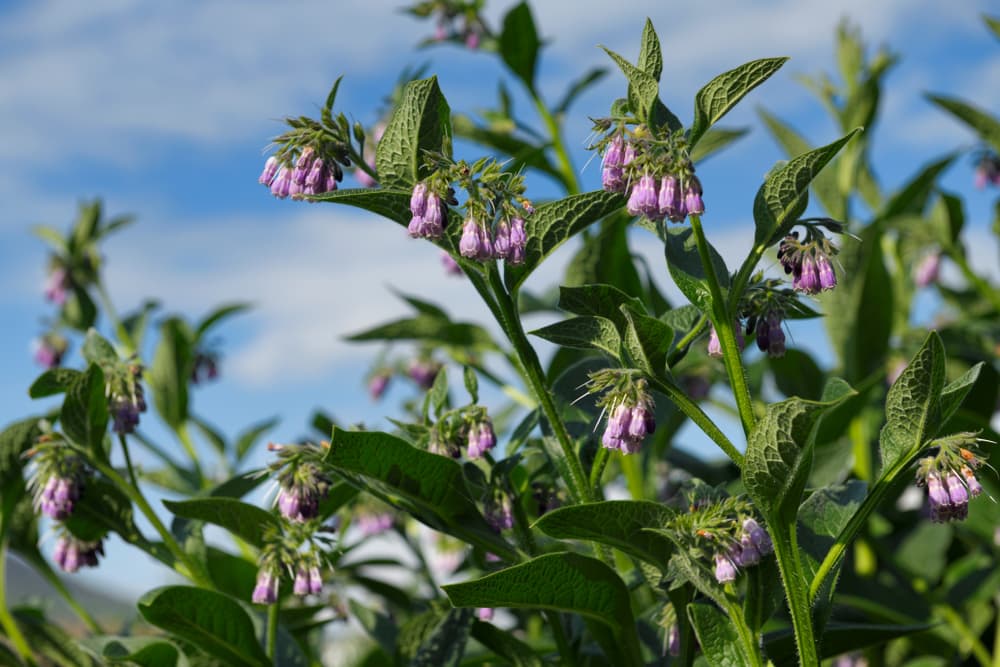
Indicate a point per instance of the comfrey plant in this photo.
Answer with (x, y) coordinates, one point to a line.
(802, 544)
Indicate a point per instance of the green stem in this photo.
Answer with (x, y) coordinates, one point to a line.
(793, 578)
(112, 314)
(681, 349)
(128, 460)
(555, 134)
(576, 479)
(983, 287)
(723, 321)
(747, 636)
(185, 437)
(56, 582)
(194, 572)
(966, 633)
(566, 654)
(272, 629)
(6, 618)
(694, 412)
(597, 469)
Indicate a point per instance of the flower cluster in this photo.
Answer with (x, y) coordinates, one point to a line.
(308, 579)
(770, 334)
(498, 511)
(126, 400)
(310, 174)
(265, 591)
(378, 384)
(424, 371)
(988, 170)
(59, 478)
(950, 477)
(481, 437)
(659, 178)
(629, 407)
(302, 485)
(808, 262)
(50, 349)
(744, 551)
(72, 553)
(428, 212)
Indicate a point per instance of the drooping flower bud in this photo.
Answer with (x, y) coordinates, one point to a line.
(433, 218)
(482, 438)
(469, 245)
(725, 569)
(266, 589)
(484, 614)
(282, 183)
(418, 200)
(126, 404)
(57, 285)
(451, 267)
(501, 240)
(612, 174)
(644, 199)
(670, 202)
(498, 512)
(693, 203)
(302, 165)
(825, 274)
(674, 640)
(927, 270)
(58, 496)
(959, 496)
(301, 584)
(71, 553)
(378, 384)
(270, 169)
(518, 240)
(303, 487)
(940, 501)
(714, 344)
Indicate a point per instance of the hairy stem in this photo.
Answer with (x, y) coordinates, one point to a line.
(793, 578)
(698, 416)
(555, 135)
(128, 460)
(272, 629)
(597, 469)
(969, 639)
(681, 349)
(185, 437)
(723, 321)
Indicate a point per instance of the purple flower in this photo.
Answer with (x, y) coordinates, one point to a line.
(206, 367)
(423, 372)
(374, 523)
(714, 344)
(303, 165)
(499, 513)
(300, 502)
(57, 285)
(518, 240)
(270, 169)
(629, 155)
(49, 350)
(315, 581)
(670, 203)
(266, 589)
(126, 408)
(282, 183)
(501, 240)
(758, 536)
(807, 278)
(644, 198)
(71, 553)
(725, 569)
(482, 439)
(433, 218)
(692, 196)
(301, 586)
(468, 246)
(770, 335)
(451, 267)
(613, 179)
(612, 174)
(825, 273)
(331, 180)
(59, 496)
(987, 171)
(484, 613)
(674, 640)
(418, 200)
(927, 270)
(642, 422)
(939, 499)
(362, 176)
(975, 488)
(472, 39)
(959, 496)
(378, 384)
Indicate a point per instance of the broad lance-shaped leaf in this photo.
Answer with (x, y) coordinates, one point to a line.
(432, 329)
(598, 299)
(555, 222)
(779, 451)
(782, 197)
(53, 381)
(171, 371)
(955, 392)
(428, 486)
(244, 520)
(446, 644)
(717, 636)
(213, 622)
(979, 120)
(96, 348)
(913, 405)
(643, 88)
(583, 333)
(84, 413)
(650, 53)
(519, 43)
(141, 651)
(566, 582)
(421, 122)
(647, 341)
(724, 91)
(684, 264)
(617, 523)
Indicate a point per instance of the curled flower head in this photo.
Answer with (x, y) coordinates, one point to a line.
(629, 407)
(265, 590)
(71, 553)
(950, 477)
(302, 484)
(481, 438)
(808, 261)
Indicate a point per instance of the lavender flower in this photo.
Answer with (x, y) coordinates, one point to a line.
(303, 165)
(72, 553)
(423, 372)
(58, 496)
(57, 285)
(770, 335)
(482, 438)
(518, 240)
(628, 425)
(282, 183)
(825, 273)
(433, 218)
(266, 589)
(671, 204)
(378, 384)
(973, 485)
(475, 242)
(270, 169)
(501, 240)
(940, 501)
(49, 350)
(126, 407)
(612, 174)
(301, 586)
(644, 198)
(714, 344)
(418, 200)
(374, 523)
(958, 494)
(451, 267)
(484, 614)
(303, 487)
(692, 196)
(927, 270)
(674, 640)
(499, 513)
(725, 569)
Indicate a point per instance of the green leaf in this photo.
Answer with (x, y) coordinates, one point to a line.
(430, 487)
(244, 520)
(822, 517)
(97, 349)
(796, 374)
(714, 140)
(693, 569)
(583, 333)
(171, 371)
(50, 235)
(79, 311)
(985, 124)
(726, 90)
(579, 86)
(824, 185)
(955, 392)
(446, 643)
(837, 639)
(562, 582)
(650, 53)
(53, 381)
(779, 454)
(84, 413)
(16, 439)
(217, 315)
(553, 223)
(717, 636)
(519, 43)
(684, 264)
(913, 405)
(213, 622)
(249, 437)
(600, 300)
(647, 341)
(505, 645)
(617, 523)
(913, 197)
(421, 122)
(141, 651)
(431, 329)
(643, 88)
(782, 197)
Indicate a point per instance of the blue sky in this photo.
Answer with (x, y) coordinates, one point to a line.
(164, 110)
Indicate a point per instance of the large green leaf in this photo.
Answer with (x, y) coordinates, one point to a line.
(446, 644)
(553, 223)
(421, 122)
(244, 520)
(955, 392)
(913, 405)
(505, 645)
(713, 141)
(15, 440)
(717, 636)
(519, 43)
(600, 300)
(618, 523)
(97, 349)
(647, 341)
(782, 197)
(726, 90)
(650, 53)
(428, 486)
(431, 329)
(643, 88)
(53, 381)
(985, 124)
(779, 451)
(562, 582)
(211, 621)
(84, 414)
(583, 333)
(170, 373)
(141, 651)
(684, 264)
